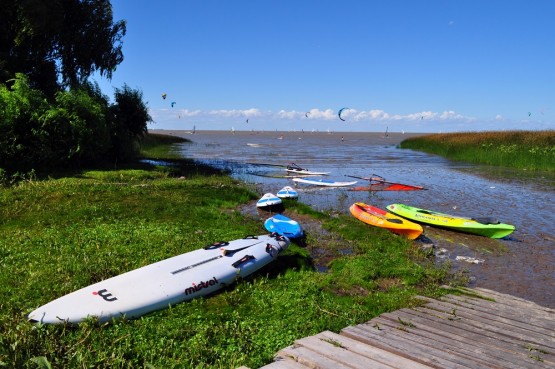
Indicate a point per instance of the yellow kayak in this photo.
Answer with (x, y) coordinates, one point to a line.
(380, 218)
(487, 227)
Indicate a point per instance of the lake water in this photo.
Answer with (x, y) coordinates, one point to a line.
(522, 264)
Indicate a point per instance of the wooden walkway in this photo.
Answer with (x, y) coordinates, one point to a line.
(451, 332)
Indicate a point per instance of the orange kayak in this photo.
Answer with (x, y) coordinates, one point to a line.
(380, 218)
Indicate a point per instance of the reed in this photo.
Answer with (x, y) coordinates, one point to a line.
(532, 150)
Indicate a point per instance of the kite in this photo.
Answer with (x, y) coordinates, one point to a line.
(173, 103)
(339, 113)
(529, 113)
(164, 96)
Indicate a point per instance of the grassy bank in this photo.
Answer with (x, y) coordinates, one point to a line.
(59, 235)
(533, 150)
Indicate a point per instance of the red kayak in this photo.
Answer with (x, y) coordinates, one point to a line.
(378, 183)
(380, 218)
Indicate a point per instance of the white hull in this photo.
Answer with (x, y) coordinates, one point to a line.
(306, 172)
(167, 282)
(321, 182)
(268, 199)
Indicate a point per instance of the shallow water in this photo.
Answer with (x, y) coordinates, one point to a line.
(522, 264)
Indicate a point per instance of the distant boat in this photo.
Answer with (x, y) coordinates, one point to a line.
(193, 131)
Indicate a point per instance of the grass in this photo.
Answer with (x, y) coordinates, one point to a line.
(61, 234)
(532, 150)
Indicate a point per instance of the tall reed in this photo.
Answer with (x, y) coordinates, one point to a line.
(532, 150)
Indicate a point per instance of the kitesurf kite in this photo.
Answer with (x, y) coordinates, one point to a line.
(173, 103)
(164, 96)
(341, 111)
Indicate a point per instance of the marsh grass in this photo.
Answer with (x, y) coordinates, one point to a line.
(532, 150)
(59, 235)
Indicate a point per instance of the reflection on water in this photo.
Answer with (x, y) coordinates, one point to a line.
(512, 196)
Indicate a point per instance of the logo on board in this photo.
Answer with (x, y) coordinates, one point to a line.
(105, 295)
(201, 285)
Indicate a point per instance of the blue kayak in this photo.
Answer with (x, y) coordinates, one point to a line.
(284, 226)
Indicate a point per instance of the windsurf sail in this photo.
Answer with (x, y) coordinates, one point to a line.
(378, 183)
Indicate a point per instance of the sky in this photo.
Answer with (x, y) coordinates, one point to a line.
(396, 65)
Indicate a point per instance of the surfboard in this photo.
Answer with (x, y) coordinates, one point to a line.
(305, 172)
(164, 283)
(287, 192)
(323, 182)
(269, 199)
(298, 171)
(284, 226)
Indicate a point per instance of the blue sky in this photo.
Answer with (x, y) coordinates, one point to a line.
(405, 65)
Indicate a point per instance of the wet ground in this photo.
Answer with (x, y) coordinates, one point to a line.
(522, 264)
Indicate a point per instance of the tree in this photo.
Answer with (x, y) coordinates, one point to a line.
(58, 40)
(129, 120)
(21, 138)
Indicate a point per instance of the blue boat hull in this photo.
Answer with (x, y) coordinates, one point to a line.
(284, 226)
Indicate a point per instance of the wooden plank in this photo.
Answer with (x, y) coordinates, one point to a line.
(487, 353)
(454, 332)
(310, 358)
(498, 296)
(484, 323)
(370, 352)
(471, 337)
(512, 301)
(467, 352)
(532, 316)
(503, 331)
(492, 317)
(412, 350)
(284, 363)
(508, 305)
(340, 354)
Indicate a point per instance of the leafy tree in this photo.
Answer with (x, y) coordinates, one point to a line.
(77, 125)
(50, 115)
(129, 118)
(21, 139)
(58, 40)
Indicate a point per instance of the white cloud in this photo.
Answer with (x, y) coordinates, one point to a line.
(450, 115)
(355, 120)
(248, 113)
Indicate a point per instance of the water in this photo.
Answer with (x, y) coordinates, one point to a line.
(522, 264)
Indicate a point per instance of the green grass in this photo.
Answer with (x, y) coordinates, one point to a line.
(532, 150)
(58, 235)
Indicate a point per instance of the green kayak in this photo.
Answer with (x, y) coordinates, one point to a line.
(487, 227)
